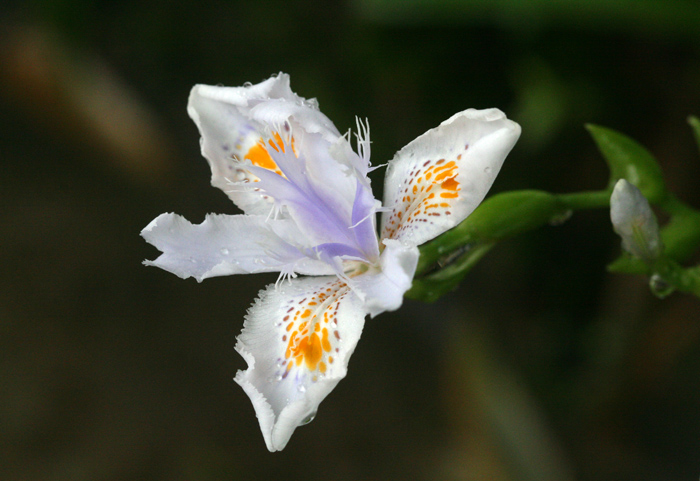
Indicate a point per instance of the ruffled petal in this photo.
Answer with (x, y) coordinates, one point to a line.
(230, 244)
(297, 341)
(381, 288)
(332, 203)
(238, 124)
(437, 180)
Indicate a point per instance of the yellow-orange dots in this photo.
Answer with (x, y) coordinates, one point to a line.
(330, 359)
(448, 165)
(449, 195)
(312, 303)
(445, 174)
(444, 204)
(290, 345)
(289, 365)
(322, 367)
(415, 189)
(450, 184)
(317, 327)
(306, 314)
(420, 179)
(289, 326)
(326, 342)
(399, 214)
(431, 196)
(428, 175)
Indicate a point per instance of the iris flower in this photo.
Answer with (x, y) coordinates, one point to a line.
(308, 210)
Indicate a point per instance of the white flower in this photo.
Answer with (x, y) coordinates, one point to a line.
(309, 209)
(634, 222)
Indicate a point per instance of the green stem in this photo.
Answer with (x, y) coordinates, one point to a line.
(586, 200)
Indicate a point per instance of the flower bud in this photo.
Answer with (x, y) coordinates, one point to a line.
(634, 221)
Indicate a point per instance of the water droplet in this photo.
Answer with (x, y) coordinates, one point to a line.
(334, 325)
(487, 170)
(224, 251)
(248, 84)
(308, 419)
(301, 388)
(660, 286)
(311, 103)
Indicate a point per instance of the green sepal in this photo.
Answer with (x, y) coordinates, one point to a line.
(626, 264)
(629, 160)
(498, 217)
(433, 286)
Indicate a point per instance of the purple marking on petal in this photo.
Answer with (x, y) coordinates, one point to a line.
(364, 221)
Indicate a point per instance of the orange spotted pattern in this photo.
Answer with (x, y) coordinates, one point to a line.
(309, 330)
(428, 191)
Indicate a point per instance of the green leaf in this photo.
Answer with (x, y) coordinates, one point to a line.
(629, 160)
(681, 236)
(626, 264)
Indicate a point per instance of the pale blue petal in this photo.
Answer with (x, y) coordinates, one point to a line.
(327, 199)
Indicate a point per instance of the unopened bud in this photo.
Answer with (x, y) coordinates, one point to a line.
(634, 222)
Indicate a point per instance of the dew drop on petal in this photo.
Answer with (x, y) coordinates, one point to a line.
(311, 103)
(224, 251)
(487, 169)
(308, 419)
(301, 388)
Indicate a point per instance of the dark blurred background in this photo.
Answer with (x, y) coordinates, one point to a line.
(541, 366)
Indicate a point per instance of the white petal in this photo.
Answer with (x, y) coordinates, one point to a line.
(228, 244)
(297, 341)
(437, 180)
(382, 288)
(237, 123)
